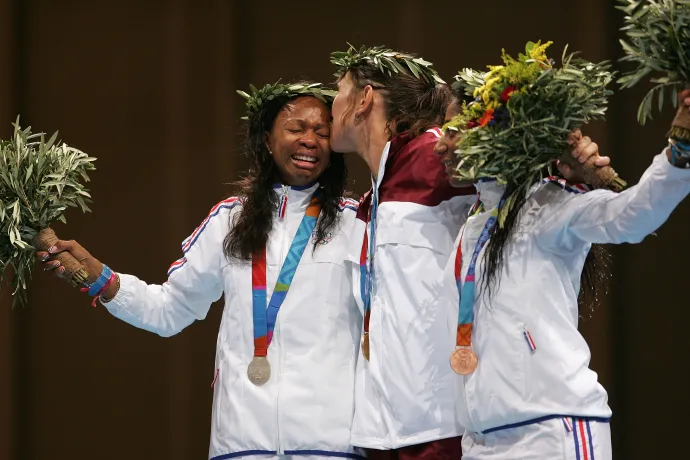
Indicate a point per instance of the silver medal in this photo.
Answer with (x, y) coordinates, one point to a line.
(259, 370)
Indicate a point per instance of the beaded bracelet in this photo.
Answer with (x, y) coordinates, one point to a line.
(105, 299)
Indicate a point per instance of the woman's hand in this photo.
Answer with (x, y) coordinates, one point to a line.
(92, 265)
(582, 149)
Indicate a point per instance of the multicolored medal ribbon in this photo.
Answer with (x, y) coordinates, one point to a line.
(259, 370)
(463, 360)
(366, 268)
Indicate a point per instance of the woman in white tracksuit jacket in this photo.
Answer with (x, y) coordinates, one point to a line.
(303, 408)
(532, 394)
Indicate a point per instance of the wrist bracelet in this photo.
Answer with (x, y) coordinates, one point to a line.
(105, 299)
(680, 152)
(95, 287)
(113, 277)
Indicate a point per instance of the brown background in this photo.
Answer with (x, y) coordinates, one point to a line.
(148, 88)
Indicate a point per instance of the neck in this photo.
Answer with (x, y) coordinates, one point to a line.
(371, 143)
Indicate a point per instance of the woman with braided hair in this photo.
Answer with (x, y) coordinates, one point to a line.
(283, 382)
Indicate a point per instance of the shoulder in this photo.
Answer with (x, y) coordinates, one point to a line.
(348, 205)
(223, 209)
(553, 198)
(213, 219)
(417, 175)
(555, 189)
(424, 143)
(436, 133)
(348, 210)
(225, 206)
(404, 146)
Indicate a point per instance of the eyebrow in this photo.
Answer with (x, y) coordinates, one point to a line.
(302, 122)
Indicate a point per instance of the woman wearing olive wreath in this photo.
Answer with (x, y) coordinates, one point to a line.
(282, 389)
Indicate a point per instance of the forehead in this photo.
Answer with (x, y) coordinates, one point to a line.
(306, 108)
(345, 81)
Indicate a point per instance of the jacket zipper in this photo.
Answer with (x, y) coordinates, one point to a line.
(283, 256)
(282, 204)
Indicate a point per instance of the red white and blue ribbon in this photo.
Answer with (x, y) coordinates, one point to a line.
(366, 259)
(265, 317)
(466, 290)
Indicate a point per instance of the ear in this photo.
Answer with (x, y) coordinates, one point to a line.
(267, 142)
(365, 103)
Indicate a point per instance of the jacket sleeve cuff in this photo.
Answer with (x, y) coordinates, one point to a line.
(123, 297)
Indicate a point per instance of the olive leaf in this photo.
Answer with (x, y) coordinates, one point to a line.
(39, 180)
(388, 62)
(257, 98)
(657, 44)
(518, 124)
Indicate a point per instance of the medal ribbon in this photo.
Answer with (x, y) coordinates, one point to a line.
(466, 290)
(265, 317)
(366, 259)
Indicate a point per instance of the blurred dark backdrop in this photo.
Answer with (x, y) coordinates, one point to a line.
(149, 89)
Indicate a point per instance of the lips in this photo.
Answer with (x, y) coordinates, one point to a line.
(304, 161)
(307, 158)
(448, 160)
(449, 164)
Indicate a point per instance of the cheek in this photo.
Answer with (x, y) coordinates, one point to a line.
(336, 128)
(448, 144)
(335, 118)
(283, 149)
(451, 143)
(337, 113)
(326, 149)
(336, 110)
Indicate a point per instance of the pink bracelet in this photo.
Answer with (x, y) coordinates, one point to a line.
(110, 281)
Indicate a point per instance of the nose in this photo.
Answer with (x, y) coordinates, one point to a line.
(440, 148)
(309, 140)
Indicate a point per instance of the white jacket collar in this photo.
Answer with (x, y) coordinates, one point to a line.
(490, 192)
(298, 197)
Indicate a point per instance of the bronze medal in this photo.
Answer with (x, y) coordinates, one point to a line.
(365, 345)
(259, 370)
(463, 361)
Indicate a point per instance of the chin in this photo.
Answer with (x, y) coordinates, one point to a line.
(301, 179)
(338, 144)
